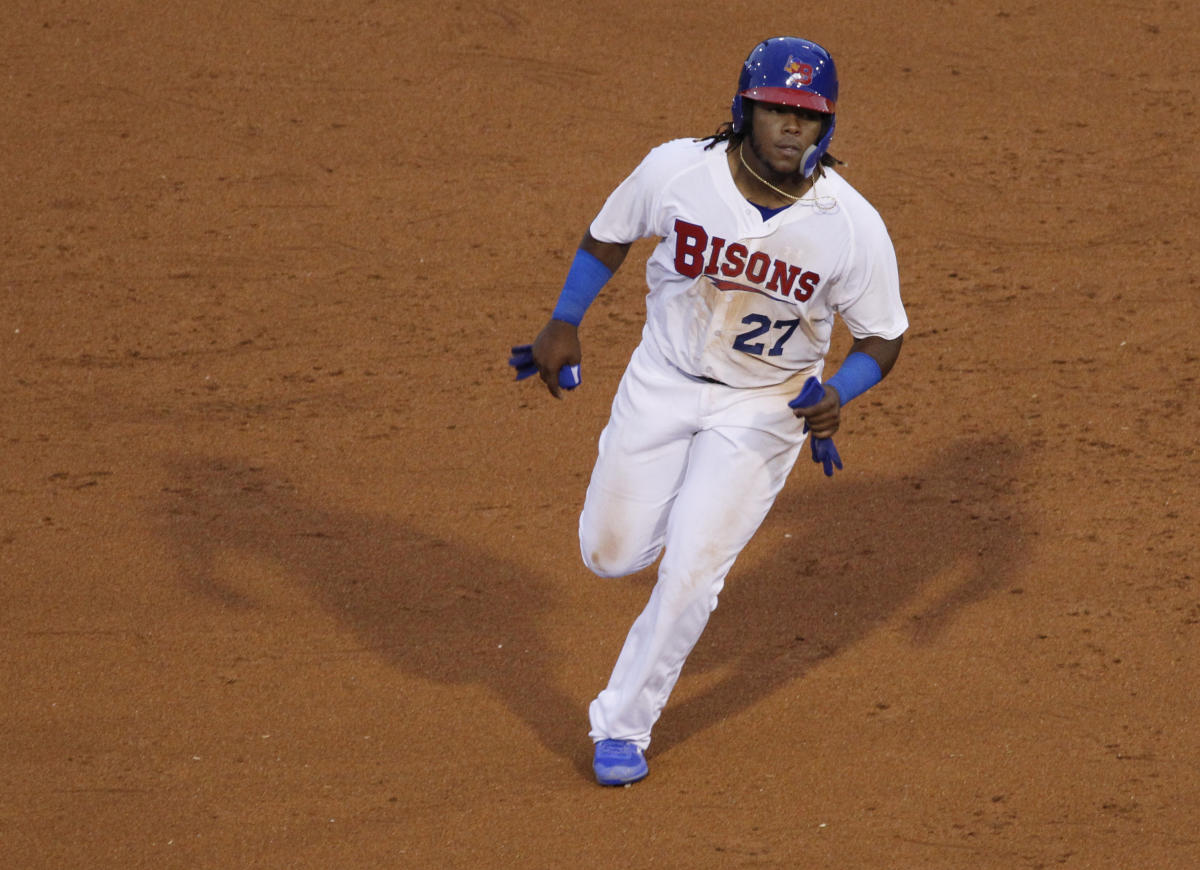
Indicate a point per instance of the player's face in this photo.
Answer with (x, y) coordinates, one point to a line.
(779, 136)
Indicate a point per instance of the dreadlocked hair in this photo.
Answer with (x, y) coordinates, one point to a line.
(725, 133)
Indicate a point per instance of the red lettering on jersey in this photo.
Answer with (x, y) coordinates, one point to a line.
(735, 260)
(782, 278)
(756, 268)
(808, 285)
(690, 242)
(717, 244)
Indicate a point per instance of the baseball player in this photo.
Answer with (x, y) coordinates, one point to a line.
(762, 244)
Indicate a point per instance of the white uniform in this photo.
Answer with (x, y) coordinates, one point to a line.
(701, 439)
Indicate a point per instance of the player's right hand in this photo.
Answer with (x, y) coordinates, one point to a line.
(555, 347)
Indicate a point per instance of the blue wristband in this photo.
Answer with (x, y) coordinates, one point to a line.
(859, 372)
(584, 280)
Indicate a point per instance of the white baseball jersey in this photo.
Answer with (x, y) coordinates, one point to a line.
(741, 300)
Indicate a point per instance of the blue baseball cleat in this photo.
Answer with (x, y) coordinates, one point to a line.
(619, 762)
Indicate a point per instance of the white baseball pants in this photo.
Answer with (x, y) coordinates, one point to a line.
(688, 469)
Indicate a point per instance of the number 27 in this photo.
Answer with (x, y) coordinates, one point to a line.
(762, 324)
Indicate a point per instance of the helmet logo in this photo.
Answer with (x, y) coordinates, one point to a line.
(800, 74)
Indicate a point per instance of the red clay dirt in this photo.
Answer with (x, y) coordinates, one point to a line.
(289, 563)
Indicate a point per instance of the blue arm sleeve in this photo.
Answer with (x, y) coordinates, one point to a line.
(584, 280)
(859, 372)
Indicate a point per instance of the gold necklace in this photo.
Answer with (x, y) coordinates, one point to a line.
(793, 197)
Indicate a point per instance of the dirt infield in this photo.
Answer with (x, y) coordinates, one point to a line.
(289, 565)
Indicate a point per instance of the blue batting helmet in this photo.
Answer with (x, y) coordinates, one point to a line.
(789, 71)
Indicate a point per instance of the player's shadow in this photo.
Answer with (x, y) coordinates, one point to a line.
(433, 607)
(861, 554)
(909, 552)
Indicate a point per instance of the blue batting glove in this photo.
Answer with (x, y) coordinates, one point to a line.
(812, 393)
(826, 454)
(823, 451)
(568, 377)
(522, 360)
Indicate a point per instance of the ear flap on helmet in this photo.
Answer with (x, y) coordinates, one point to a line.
(814, 153)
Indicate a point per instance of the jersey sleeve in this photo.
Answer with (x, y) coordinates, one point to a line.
(629, 212)
(869, 299)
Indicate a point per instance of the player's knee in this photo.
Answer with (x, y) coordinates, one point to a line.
(609, 558)
(608, 564)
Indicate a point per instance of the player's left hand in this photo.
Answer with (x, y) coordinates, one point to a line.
(820, 406)
(813, 398)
